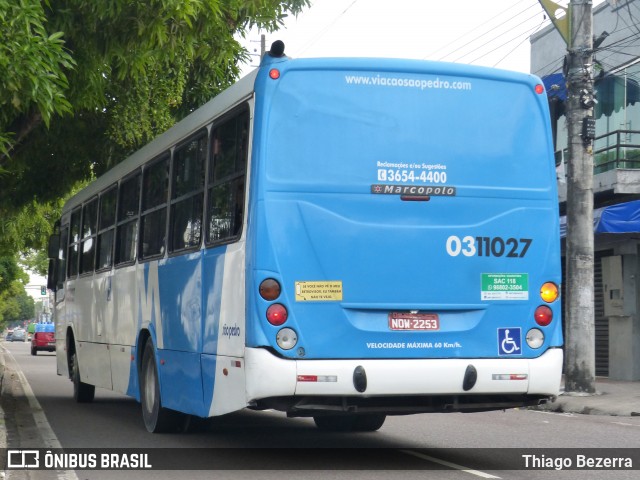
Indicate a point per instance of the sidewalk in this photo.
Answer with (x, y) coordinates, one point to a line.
(3, 426)
(612, 397)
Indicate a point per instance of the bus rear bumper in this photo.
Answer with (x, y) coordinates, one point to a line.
(509, 378)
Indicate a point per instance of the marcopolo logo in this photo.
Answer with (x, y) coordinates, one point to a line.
(415, 190)
(228, 331)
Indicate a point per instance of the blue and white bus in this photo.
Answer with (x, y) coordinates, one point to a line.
(342, 239)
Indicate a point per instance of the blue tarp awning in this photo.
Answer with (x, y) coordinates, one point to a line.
(620, 218)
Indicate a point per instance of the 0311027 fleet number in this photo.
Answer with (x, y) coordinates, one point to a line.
(470, 246)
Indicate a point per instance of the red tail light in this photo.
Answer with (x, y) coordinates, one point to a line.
(277, 314)
(270, 289)
(543, 315)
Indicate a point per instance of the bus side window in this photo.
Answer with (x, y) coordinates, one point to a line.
(127, 229)
(88, 241)
(187, 193)
(153, 221)
(227, 178)
(106, 228)
(74, 243)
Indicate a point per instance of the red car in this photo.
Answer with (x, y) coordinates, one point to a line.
(43, 338)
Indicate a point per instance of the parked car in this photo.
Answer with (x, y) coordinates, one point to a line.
(19, 335)
(9, 334)
(44, 339)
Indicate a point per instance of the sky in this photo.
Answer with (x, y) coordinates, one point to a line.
(492, 33)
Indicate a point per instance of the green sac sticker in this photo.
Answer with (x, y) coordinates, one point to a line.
(505, 286)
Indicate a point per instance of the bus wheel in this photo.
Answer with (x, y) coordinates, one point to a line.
(350, 423)
(82, 392)
(369, 422)
(157, 419)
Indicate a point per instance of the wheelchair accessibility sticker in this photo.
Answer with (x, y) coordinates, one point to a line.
(510, 341)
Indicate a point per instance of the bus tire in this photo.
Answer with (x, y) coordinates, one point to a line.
(82, 392)
(369, 422)
(157, 419)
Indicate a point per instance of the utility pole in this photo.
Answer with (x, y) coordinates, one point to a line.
(579, 305)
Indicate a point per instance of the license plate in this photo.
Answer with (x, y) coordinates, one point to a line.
(51, 344)
(413, 321)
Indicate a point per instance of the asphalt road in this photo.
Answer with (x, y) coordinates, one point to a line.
(268, 445)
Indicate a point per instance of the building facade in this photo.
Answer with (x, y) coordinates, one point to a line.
(616, 70)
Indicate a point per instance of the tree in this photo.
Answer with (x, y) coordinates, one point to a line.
(14, 306)
(32, 63)
(83, 83)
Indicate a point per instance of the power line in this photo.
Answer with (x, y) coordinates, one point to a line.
(523, 40)
(432, 54)
(625, 42)
(496, 38)
(491, 30)
(322, 32)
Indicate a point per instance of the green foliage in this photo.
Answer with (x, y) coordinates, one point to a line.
(10, 271)
(15, 304)
(32, 64)
(135, 69)
(29, 228)
(83, 83)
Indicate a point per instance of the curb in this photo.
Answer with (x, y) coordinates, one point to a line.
(600, 403)
(3, 427)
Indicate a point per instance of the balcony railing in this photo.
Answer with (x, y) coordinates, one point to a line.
(617, 149)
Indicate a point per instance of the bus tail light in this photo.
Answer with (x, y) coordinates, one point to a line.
(543, 315)
(549, 292)
(277, 314)
(535, 338)
(269, 289)
(287, 338)
(274, 73)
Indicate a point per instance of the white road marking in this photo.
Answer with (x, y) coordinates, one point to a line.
(626, 424)
(48, 437)
(455, 466)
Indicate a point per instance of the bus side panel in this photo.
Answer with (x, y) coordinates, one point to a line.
(169, 304)
(60, 320)
(124, 291)
(212, 275)
(95, 364)
(224, 329)
(122, 368)
(224, 383)
(93, 357)
(102, 320)
(180, 381)
(180, 280)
